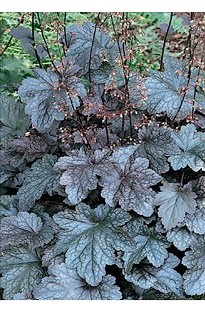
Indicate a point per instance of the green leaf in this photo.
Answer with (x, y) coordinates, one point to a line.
(21, 270)
(65, 284)
(174, 202)
(13, 120)
(13, 71)
(191, 150)
(3, 26)
(90, 237)
(41, 178)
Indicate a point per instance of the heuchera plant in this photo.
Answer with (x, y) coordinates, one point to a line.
(103, 176)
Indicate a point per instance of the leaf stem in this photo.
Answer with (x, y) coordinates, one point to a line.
(91, 51)
(45, 42)
(65, 34)
(107, 133)
(20, 21)
(33, 38)
(182, 180)
(164, 43)
(191, 55)
(125, 72)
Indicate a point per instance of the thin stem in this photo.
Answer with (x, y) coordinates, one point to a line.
(182, 180)
(191, 54)
(199, 70)
(123, 33)
(65, 35)
(164, 43)
(64, 28)
(46, 45)
(59, 50)
(130, 115)
(60, 74)
(195, 88)
(107, 133)
(89, 146)
(121, 57)
(7, 45)
(20, 21)
(118, 44)
(33, 38)
(123, 125)
(126, 75)
(91, 51)
(102, 23)
(130, 121)
(184, 94)
(188, 42)
(57, 38)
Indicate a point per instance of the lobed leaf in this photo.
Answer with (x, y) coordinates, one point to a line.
(196, 221)
(191, 150)
(25, 36)
(164, 91)
(24, 228)
(14, 122)
(47, 98)
(21, 271)
(30, 147)
(8, 206)
(194, 277)
(174, 203)
(130, 183)
(90, 237)
(146, 243)
(65, 284)
(86, 36)
(165, 279)
(156, 144)
(81, 171)
(41, 178)
(181, 238)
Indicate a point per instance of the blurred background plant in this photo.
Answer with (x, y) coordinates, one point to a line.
(144, 34)
(146, 29)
